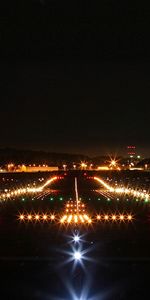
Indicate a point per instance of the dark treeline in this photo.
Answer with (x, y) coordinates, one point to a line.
(15, 156)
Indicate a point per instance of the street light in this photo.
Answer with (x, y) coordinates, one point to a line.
(64, 167)
(83, 165)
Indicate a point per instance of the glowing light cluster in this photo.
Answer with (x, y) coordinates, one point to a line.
(114, 217)
(73, 207)
(124, 190)
(36, 217)
(73, 218)
(27, 190)
(75, 213)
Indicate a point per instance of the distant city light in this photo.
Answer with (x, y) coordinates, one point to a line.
(83, 165)
(113, 162)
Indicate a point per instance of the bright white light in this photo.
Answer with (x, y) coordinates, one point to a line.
(77, 255)
(76, 238)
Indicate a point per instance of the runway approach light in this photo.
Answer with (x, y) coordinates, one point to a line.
(77, 255)
(76, 238)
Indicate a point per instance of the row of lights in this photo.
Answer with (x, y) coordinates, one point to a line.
(36, 217)
(74, 205)
(65, 219)
(74, 208)
(123, 190)
(75, 219)
(27, 190)
(109, 200)
(114, 217)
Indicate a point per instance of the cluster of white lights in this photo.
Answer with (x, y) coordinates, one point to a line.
(114, 217)
(22, 191)
(123, 190)
(36, 217)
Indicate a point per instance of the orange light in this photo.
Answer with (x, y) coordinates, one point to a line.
(89, 221)
(21, 217)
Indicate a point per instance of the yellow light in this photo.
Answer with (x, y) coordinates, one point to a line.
(63, 219)
(129, 217)
(86, 217)
(45, 217)
(106, 217)
(81, 218)
(52, 217)
(37, 217)
(119, 190)
(29, 217)
(114, 217)
(121, 217)
(98, 217)
(69, 219)
(83, 165)
(123, 189)
(75, 218)
(113, 162)
(21, 217)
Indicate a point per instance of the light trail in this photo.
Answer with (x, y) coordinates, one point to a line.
(124, 190)
(22, 191)
(105, 194)
(76, 192)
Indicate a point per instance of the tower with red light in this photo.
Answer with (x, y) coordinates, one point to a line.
(131, 151)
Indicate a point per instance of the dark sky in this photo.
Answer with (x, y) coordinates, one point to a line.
(75, 78)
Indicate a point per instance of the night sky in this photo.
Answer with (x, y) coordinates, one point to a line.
(75, 78)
